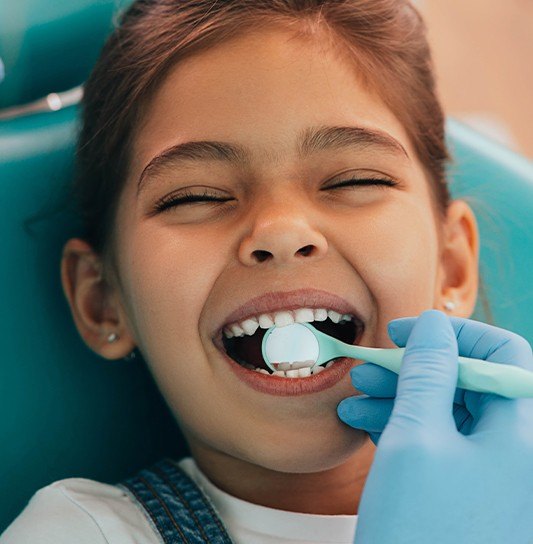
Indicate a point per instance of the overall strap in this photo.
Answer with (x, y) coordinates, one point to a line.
(175, 505)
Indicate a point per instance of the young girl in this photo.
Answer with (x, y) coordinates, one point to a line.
(244, 163)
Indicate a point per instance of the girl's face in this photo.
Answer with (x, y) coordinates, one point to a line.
(184, 270)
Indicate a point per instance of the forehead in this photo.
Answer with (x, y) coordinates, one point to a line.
(261, 90)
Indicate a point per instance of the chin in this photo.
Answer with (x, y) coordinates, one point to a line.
(311, 451)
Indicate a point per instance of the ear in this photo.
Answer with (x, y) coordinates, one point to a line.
(458, 270)
(95, 305)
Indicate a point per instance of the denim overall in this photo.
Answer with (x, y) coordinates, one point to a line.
(177, 507)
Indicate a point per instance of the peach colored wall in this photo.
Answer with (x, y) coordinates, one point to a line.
(483, 51)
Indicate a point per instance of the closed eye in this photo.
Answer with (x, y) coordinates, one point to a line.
(187, 197)
(364, 181)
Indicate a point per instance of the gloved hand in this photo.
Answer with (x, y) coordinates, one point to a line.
(372, 410)
(435, 478)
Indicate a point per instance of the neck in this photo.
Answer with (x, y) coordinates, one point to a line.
(334, 491)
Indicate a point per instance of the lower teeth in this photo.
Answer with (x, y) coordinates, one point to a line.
(295, 373)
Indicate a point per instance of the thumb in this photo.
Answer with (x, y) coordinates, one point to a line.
(428, 376)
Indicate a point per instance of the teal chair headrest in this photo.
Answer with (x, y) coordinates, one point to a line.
(50, 46)
(66, 411)
(498, 184)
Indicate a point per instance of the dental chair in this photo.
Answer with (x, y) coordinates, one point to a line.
(66, 412)
(50, 47)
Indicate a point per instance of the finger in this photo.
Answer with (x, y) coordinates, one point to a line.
(374, 380)
(400, 329)
(379, 382)
(483, 341)
(463, 419)
(475, 339)
(488, 342)
(366, 413)
(428, 376)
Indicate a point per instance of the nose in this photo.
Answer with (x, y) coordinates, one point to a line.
(282, 235)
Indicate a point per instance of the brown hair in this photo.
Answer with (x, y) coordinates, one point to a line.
(385, 39)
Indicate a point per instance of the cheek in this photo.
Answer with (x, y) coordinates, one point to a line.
(396, 256)
(403, 252)
(168, 277)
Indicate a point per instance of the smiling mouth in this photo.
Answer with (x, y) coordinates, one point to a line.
(247, 350)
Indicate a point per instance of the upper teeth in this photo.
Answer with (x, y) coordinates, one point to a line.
(280, 319)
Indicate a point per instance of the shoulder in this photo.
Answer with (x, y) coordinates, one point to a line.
(95, 512)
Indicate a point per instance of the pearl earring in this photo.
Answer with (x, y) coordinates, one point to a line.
(449, 305)
(114, 336)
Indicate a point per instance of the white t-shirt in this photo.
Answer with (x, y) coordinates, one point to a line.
(91, 512)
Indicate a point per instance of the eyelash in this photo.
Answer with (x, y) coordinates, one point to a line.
(188, 197)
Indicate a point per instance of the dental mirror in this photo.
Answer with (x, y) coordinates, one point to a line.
(303, 342)
(290, 343)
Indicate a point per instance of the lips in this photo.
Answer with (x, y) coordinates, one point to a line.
(270, 302)
(275, 385)
(274, 301)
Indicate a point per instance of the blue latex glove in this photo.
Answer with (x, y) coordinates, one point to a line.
(371, 410)
(436, 478)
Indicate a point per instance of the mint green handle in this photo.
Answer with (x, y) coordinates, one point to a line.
(474, 374)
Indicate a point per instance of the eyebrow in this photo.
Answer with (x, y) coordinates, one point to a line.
(310, 141)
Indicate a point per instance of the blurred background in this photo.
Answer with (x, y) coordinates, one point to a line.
(483, 52)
